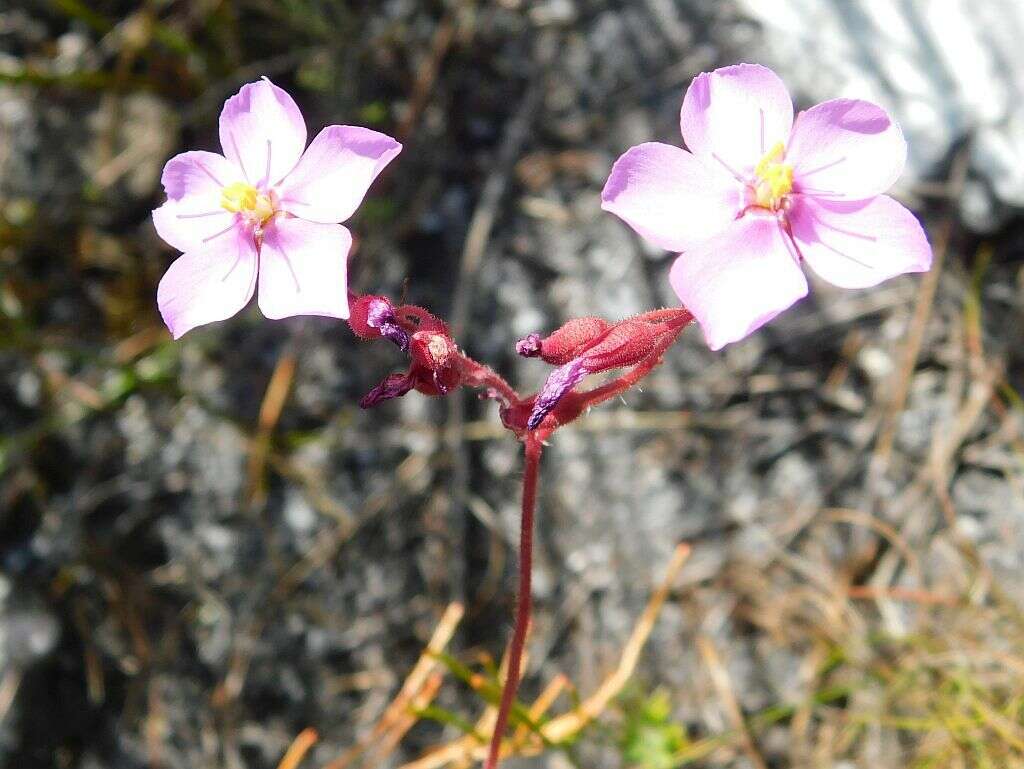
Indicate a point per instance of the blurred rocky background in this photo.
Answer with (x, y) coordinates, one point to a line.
(206, 547)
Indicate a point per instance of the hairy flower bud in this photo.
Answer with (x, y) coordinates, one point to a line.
(564, 344)
(437, 354)
(373, 317)
(588, 346)
(393, 386)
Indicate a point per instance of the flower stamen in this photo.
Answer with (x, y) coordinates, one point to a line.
(773, 179)
(242, 198)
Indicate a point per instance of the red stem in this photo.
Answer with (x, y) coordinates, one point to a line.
(664, 325)
(479, 375)
(515, 650)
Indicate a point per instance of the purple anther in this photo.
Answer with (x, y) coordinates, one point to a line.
(393, 386)
(381, 316)
(529, 346)
(559, 382)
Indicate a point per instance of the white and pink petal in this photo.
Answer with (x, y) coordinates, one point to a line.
(186, 228)
(262, 131)
(669, 197)
(208, 284)
(304, 269)
(336, 170)
(739, 280)
(859, 244)
(845, 149)
(192, 212)
(198, 175)
(734, 115)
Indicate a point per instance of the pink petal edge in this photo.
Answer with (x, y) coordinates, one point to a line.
(333, 175)
(846, 149)
(208, 284)
(739, 280)
(859, 244)
(734, 115)
(192, 213)
(669, 197)
(262, 131)
(198, 173)
(304, 269)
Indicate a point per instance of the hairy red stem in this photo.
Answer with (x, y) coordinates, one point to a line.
(515, 650)
(580, 347)
(479, 375)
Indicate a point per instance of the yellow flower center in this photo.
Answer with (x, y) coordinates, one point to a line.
(246, 199)
(773, 179)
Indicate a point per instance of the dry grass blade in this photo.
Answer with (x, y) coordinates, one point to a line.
(447, 754)
(305, 740)
(326, 544)
(406, 720)
(562, 727)
(918, 323)
(891, 535)
(461, 752)
(60, 384)
(270, 412)
(723, 685)
(396, 713)
(896, 593)
(542, 704)
(139, 343)
(527, 742)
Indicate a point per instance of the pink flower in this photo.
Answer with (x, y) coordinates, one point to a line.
(759, 192)
(265, 212)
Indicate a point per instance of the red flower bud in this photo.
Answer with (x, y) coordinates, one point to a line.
(393, 386)
(372, 317)
(566, 343)
(587, 346)
(437, 354)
